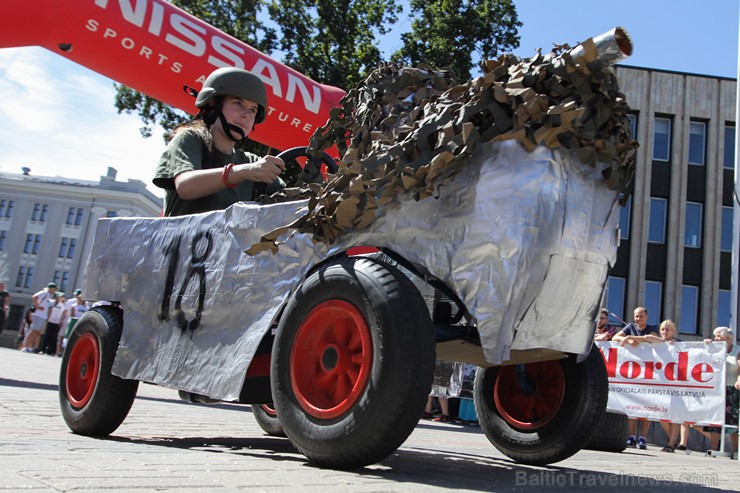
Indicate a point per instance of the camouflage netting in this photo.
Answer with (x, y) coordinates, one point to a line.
(405, 132)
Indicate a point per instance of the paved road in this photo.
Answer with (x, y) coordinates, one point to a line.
(166, 444)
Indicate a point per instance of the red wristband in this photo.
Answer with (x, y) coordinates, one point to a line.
(225, 175)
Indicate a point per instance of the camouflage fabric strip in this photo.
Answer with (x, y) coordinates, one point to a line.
(405, 132)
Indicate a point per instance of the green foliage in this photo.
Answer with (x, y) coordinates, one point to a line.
(334, 42)
(446, 33)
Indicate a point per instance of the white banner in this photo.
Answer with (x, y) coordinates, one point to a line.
(683, 382)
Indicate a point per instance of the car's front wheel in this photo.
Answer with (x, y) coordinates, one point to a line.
(353, 361)
(94, 402)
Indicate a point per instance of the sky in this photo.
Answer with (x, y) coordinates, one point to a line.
(58, 118)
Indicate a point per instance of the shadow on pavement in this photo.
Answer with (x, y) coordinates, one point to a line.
(7, 382)
(459, 471)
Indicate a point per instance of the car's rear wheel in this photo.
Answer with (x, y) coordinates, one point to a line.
(353, 361)
(93, 401)
(545, 412)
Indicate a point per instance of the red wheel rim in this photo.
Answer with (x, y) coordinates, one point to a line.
(331, 359)
(533, 409)
(83, 367)
(269, 410)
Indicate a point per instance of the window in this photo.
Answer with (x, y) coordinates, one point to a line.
(689, 309)
(32, 244)
(692, 234)
(61, 279)
(3, 204)
(729, 161)
(74, 216)
(633, 125)
(65, 281)
(63, 247)
(39, 212)
(6, 208)
(662, 139)
(3, 238)
(29, 243)
(654, 300)
(624, 219)
(726, 241)
(111, 214)
(9, 211)
(697, 142)
(36, 244)
(656, 227)
(29, 278)
(614, 297)
(723, 308)
(67, 248)
(25, 277)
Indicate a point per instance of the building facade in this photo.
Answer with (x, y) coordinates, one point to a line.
(47, 226)
(675, 251)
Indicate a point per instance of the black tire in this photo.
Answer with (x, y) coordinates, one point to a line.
(352, 363)
(266, 417)
(550, 421)
(94, 402)
(611, 433)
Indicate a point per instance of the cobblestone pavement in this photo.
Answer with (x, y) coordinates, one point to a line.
(166, 444)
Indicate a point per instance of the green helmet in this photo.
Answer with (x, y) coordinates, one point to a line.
(232, 81)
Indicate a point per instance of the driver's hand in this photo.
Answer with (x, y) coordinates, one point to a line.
(265, 170)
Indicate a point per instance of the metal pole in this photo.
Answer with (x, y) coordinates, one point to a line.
(735, 216)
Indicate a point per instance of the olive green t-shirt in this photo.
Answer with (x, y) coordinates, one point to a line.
(185, 152)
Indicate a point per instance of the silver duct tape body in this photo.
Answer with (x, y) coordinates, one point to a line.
(524, 239)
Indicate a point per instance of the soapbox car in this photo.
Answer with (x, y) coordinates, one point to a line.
(503, 268)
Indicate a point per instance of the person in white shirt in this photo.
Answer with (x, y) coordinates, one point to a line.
(41, 302)
(57, 314)
(76, 306)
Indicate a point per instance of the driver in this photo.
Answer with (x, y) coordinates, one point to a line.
(201, 169)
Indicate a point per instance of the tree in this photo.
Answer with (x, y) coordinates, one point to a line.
(446, 33)
(239, 18)
(334, 42)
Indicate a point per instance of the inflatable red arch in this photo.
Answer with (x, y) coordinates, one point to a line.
(157, 48)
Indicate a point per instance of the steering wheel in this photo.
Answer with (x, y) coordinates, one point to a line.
(296, 173)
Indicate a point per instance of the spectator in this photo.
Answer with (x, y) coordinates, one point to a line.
(604, 330)
(201, 170)
(444, 408)
(57, 314)
(668, 336)
(4, 305)
(732, 388)
(447, 383)
(75, 308)
(633, 334)
(25, 329)
(42, 301)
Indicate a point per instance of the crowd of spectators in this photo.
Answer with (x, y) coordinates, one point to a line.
(47, 323)
(639, 332)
